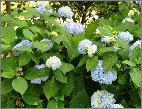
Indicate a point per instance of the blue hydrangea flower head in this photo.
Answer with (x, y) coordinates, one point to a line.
(102, 77)
(126, 36)
(137, 43)
(41, 9)
(102, 99)
(65, 11)
(23, 43)
(47, 41)
(74, 28)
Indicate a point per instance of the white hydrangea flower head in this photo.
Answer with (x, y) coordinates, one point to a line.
(108, 39)
(65, 11)
(126, 36)
(137, 43)
(53, 62)
(83, 46)
(91, 50)
(116, 106)
(128, 20)
(102, 99)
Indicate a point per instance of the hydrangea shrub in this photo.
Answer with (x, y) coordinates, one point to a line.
(49, 65)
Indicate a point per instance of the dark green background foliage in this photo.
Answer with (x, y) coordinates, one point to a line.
(71, 85)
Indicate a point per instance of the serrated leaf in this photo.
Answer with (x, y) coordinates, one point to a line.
(10, 74)
(69, 87)
(20, 85)
(33, 73)
(20, 23)
(24, 48)
(80, 100)
(82, 61)
(55, 104)
(91, 63)
(31, 96)
(109, 59)
(24, 59)
(6, 86)
(43, 46)
(65, 68)
(28, 34)
(130, 63)
(135, 74)
(8, 34)
(50, 88)
(60, 77)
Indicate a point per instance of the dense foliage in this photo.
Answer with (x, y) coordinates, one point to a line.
(48, 61)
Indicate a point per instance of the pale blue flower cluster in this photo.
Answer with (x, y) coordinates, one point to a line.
(65, 11)
(74, 28)
(41, 9)
(126, 36)
(38, 80)
(50, 12)
(137, 43)
(102, 77)
(103, 99)
(23, 43)
(47, 41)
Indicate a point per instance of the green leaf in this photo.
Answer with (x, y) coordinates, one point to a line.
(33, 73)
(6, 86)
(122, 79)
(24, 59)
(72, 52)
(28, 34)
(24, 48)
(104, 50)
(134, 54)
(31, 96)
(90, 30)
(65, 68)
(9, 103)
(135, 74)
(130, 63)
(9, 64)
(9, 74)
(20, 23)
(43, 46)
(82, 61)
(55, 104)
(50, 88)
(35, 29)
(80, 100)
(8, 34)
(60, 77)
(91, 63)
(29, 13)
(69, 87)
(20, 85)
(109, 59)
